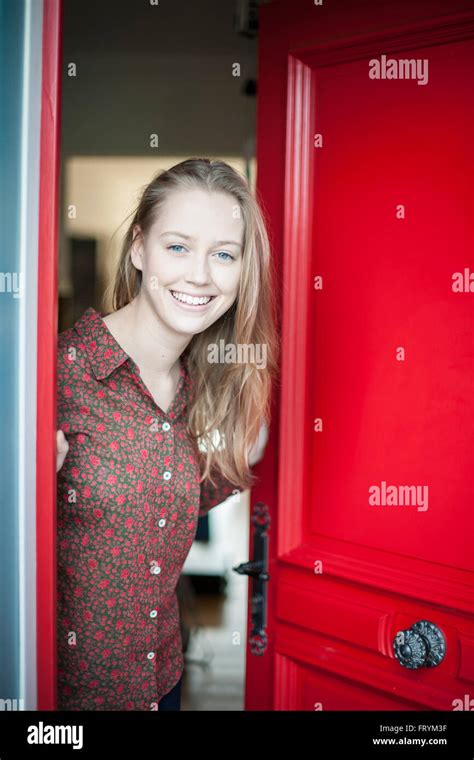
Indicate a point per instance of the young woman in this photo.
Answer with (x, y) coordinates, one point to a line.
(154, 431)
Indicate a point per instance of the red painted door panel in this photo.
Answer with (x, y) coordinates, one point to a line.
(368, 185)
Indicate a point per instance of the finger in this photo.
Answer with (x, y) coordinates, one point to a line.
(61, 442)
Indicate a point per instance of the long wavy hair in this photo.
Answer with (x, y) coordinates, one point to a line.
(230, 401)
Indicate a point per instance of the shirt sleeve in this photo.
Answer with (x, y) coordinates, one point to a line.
(212, 496)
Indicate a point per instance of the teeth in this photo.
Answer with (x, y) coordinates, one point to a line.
(191, 300)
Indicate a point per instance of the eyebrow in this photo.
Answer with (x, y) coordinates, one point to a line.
(192, 239)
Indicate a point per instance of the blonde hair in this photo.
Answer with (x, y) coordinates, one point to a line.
(232, 399)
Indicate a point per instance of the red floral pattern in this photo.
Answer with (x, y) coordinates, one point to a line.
(128, 502)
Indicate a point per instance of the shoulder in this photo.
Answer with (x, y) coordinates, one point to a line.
(67, 338)
(72, 342)
(71, 351)
(73, 380)
(73, 367)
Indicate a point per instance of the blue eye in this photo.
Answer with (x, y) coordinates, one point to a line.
(219, 254)
(226, 254)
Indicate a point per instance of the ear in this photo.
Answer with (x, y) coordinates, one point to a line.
(137, 249)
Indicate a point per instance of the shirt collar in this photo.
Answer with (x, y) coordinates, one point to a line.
(106, 355)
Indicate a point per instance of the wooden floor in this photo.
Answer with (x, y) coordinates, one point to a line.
(215, 657)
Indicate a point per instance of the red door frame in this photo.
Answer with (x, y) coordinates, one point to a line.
(50, 161)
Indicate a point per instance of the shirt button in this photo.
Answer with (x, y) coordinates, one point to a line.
(155, 570)
(150, 655)
(161, 522)
(166, 426)
(153, 614)
(167, 475)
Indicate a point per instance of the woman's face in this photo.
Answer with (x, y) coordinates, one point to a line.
(193, 250)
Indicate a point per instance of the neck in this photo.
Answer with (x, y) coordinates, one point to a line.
(155, 347)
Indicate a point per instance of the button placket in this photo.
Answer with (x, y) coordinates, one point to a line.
(155, 568)
(166, 427)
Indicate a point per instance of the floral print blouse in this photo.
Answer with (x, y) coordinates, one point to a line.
(128, 501)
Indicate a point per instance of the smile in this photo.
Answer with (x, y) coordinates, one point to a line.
(191, 302)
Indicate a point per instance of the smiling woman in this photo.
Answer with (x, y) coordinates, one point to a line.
(187, 281)
(174, 243)
(156, 434)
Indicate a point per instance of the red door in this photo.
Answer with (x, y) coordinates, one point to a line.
(365, 167)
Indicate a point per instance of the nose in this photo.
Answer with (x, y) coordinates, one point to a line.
(198, 272)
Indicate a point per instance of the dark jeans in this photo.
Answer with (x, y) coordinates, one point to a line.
(172, 700)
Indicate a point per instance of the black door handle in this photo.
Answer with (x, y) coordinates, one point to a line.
(422, 645)
(257, 570)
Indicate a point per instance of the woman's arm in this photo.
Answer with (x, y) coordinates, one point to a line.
(212, 496)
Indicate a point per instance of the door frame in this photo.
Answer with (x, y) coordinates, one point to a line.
(47, 329)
